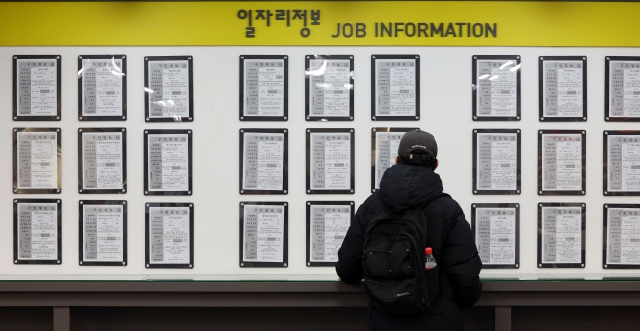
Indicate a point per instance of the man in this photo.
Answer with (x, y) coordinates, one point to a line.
(407, 185)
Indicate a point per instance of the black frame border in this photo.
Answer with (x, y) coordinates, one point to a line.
(17, 190)
(584, 163)
(16, 260)
(607, 92)
(285, 243)
(351, 131)
(515, 206)
(518, 189)
(307, 107)
(189, 133)
(541, 85)
(58, 116)
(249, 118)
(605, 162)
(308, 230)
(82, 190)
(81, 205)
(474, 84)
(605, 224)
(375, 57)
(89, 118)
(285, 170)
(373, 149)
(149, 265)
(583, 216)
(147, 106)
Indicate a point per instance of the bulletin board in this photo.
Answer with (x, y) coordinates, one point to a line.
(214, 36)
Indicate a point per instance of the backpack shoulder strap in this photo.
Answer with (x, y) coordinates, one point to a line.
(419, 218)
(415, 214)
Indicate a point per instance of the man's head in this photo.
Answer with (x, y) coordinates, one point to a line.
(418, 148)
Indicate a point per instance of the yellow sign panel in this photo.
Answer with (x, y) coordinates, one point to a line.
(352, 23)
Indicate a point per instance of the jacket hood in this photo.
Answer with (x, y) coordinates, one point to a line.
(404, 187)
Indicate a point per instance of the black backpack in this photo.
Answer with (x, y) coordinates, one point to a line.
(393, 262)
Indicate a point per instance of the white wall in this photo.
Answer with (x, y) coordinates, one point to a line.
(445, 112)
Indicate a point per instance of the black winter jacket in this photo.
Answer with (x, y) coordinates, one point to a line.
(403, 187)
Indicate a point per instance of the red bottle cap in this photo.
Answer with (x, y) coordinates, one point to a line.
(428, 250)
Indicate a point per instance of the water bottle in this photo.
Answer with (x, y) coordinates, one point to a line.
(429, 260)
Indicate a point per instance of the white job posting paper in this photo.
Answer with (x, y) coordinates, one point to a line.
(497, 163)
(329, 225)
(37, 160)
(623, 163)
(623, 236)
(329, 87)
(37, 90)
(38, 231)
(386, 151)
(264, 84)
(496, 235)
(103, 233)
(330, 161)
(102, 160)
(624, 89)
(563, 91)
(561, 235)
(169, 81)
(102, 88)
(263, 161)
(395, 84)
(630, 238)
(263, 233)
(497, 85)
(168, 162)
(169, 235)
(562, 162)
